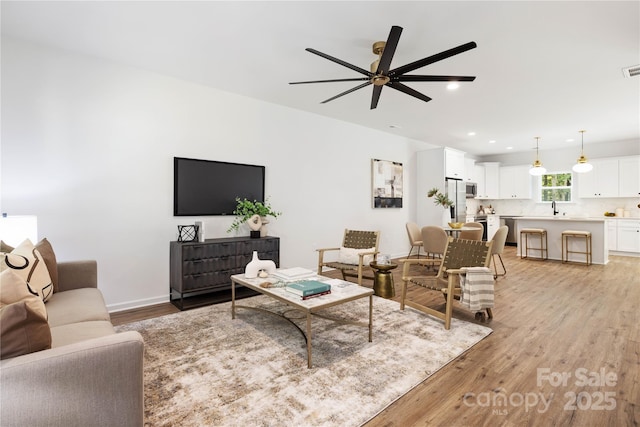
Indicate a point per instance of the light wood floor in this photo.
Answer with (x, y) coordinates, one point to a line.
(551, 319)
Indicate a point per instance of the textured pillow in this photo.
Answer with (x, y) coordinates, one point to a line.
(22, 330)
(352, 256)
(28, 263)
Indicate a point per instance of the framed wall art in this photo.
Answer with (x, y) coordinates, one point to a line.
(386, 177)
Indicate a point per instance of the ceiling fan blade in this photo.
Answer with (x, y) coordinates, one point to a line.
(389, 50)
(414, 78)
(331, 81)
(431, 59)
(406, 89)
(341, 62)
(346, 92)
(376, 96)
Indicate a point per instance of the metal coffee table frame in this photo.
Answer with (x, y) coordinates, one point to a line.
(339, 295)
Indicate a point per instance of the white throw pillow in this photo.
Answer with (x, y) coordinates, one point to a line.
(27, 262)
(352, 256)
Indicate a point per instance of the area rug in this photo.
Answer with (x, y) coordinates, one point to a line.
(204, 369)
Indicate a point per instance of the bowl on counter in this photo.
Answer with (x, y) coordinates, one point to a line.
(456, 225)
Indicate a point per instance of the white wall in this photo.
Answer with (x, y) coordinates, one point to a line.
(88, 147)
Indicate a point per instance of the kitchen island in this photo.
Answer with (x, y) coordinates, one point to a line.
(556, 225)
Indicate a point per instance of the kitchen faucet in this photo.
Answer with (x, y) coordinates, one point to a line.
(553, 206)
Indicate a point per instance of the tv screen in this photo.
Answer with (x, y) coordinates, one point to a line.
(205, 187)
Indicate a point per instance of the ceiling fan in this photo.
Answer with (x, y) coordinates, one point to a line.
(380, 74)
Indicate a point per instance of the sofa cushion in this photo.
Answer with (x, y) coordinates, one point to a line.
(23, 330)
(77, 305)
(27, 262)
(77, 332)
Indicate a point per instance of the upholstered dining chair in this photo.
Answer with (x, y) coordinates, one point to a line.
(415, 237)
(458, 254)
(472, 234)
(358, 249)
(499, 239)
(434, 241)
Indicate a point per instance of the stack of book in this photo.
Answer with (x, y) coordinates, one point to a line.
(309, 289)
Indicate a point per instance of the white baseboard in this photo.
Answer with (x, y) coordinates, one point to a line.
(113, 308)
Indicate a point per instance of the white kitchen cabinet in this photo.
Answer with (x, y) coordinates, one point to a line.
(612, 234)
(487, 176)
(602, 181)
(628, 236)
(453, 163)
(629, 176)
(515, 182)
(469, 165)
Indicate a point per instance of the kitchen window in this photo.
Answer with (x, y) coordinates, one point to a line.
(556, 186)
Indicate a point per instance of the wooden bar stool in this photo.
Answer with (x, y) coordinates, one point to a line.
(543, 248)
(586, 235)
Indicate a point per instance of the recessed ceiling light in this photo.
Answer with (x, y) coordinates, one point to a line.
(569, 140)
(509, 148)
(493, 141)
(453, 86)
(471, 134)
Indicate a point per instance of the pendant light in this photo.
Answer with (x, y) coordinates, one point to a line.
(537, 169)
(583, 164)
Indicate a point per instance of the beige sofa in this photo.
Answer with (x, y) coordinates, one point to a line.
(91, 375)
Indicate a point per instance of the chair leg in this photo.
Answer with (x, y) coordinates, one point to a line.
(495, 266)
(448, 310)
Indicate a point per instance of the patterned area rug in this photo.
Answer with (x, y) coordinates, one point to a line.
(204, 369)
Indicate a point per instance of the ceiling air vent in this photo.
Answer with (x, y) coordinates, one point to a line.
(631, 71)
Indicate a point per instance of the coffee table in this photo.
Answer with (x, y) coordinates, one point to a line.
(341, 292)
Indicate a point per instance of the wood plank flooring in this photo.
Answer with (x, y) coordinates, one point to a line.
(551, 320)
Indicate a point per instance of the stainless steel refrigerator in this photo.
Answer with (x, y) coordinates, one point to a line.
(457, 192)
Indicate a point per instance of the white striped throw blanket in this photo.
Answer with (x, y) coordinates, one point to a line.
(476, 285)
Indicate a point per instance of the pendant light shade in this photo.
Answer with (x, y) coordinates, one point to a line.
(582, 165)
(537, 169)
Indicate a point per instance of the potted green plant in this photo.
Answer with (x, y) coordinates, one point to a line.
(440, 198)
(245, 209)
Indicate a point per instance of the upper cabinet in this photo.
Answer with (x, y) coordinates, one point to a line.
(515, 182)
(454, 163)
(469, 165)
(602, 181)
(629, 176)
(487, 176)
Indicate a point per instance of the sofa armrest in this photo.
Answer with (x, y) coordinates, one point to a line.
(97, 382)
(77, 274)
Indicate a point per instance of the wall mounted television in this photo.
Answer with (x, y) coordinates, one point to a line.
(207, 187)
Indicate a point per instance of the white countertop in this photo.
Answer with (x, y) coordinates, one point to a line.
(574, 218)
(562, 218)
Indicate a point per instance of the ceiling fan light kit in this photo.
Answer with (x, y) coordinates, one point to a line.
(537, 169)
(381, 75)
(582, 164)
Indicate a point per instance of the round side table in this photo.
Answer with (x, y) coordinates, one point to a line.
(383, 280)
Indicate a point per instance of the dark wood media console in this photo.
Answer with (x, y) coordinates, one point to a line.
(200, 272)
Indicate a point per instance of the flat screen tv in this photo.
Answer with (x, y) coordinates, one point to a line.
(206, 187)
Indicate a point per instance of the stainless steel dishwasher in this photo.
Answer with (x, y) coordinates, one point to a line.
(509, 221)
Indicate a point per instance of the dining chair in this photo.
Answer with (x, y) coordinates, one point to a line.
(415, 237)
(434, 240)
(499, 239)
(472, 234)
